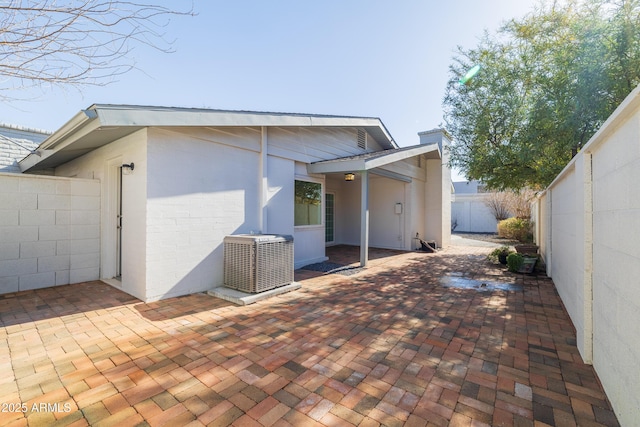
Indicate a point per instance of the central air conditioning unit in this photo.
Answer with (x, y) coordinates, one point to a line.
(255, 263)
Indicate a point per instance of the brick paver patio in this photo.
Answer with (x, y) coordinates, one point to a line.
(386, 346)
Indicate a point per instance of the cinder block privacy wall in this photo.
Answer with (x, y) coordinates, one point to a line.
(588, 223)
(49, 231)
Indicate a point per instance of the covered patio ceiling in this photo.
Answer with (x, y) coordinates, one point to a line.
(372, 163)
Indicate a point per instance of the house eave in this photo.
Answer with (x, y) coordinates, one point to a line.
(101, 124)
(113, 115)
(369, 161)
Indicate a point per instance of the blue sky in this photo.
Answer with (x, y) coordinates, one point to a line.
(379, 58)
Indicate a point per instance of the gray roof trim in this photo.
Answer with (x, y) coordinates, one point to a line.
(24, 129)
(101, 124)
(126, 115)
(368, 161)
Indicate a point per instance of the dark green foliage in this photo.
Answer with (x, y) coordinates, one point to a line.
(499, 254)
(546, 84)
(514, 262)
(308, 192)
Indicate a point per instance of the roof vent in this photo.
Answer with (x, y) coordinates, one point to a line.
(362, 139)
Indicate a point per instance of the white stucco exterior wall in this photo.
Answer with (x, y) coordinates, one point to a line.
(439, 186)
(387, 227)
(49, 231)
(102, 164)
(280, 200)
(415, 210)
(197, 194)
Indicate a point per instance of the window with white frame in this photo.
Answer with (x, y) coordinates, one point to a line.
(308, 203)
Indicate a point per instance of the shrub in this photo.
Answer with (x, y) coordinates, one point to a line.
(499, 254)
(514, 262)
(516, 228)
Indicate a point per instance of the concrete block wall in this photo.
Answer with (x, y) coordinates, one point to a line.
(588, 232)
(49, 231)
(472, 215)
(195, 197)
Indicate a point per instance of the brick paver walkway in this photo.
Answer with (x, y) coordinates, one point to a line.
(387, 346)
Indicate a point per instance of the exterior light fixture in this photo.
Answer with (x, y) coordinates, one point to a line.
(349, 176)
(127, 169)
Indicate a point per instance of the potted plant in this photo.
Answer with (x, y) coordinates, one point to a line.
(519, 263)
(500, 255)
(514, 262)
(528, 264)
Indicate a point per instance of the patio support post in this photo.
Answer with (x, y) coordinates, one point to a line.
(262, 181)
(364, 219)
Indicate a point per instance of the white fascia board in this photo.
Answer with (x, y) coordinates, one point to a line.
(132, 115)
(344, 121)
(64, 136)
(33, 159)
(150, 116)
(68, 128)
(201, 118)
(363, 163)
(337, 166)
(113, 115)
(401, 155)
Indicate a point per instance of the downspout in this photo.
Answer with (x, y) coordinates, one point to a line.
(263, 185)
(588, 258)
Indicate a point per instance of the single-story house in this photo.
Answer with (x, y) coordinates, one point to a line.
(175, 181)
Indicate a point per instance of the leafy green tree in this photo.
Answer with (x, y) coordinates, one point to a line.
(547, 82)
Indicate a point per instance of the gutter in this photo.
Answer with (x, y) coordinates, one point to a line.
(47, 147)
(68, 129)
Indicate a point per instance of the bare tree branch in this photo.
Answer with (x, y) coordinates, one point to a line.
(76, 42)
(498, 204)
(504, 204)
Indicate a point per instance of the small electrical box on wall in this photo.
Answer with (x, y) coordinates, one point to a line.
(398, 208)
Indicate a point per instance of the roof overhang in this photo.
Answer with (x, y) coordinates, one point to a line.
(101, 124)
(370, 161)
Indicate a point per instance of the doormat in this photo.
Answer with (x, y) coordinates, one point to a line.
(333, 268)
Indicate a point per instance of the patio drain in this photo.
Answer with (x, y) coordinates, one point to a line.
(454, 280)
(333, 268)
